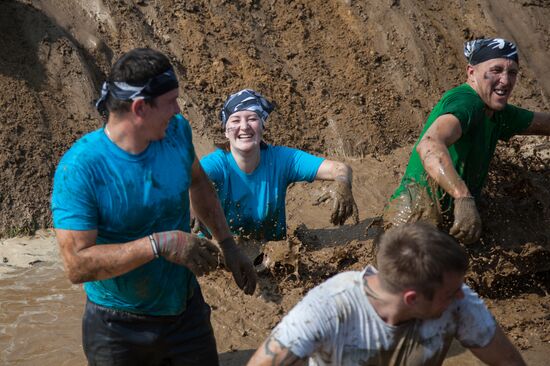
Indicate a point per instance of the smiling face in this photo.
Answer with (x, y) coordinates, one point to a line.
(493, 80)
(244, 130)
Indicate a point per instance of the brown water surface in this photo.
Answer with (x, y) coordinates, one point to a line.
(40, 314)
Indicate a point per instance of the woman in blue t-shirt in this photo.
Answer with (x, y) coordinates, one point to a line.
(252, 177)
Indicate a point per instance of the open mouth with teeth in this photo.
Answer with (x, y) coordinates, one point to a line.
(501, 92)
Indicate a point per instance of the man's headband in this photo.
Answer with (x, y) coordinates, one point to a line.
(154, 87)
(480, 50)
(246, 100)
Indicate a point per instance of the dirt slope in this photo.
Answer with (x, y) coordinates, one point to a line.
(351, 79)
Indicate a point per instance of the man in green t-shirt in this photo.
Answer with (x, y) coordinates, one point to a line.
(449, 162)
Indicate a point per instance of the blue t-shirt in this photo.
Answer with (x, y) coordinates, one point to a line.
(97, 185)
(254, 204)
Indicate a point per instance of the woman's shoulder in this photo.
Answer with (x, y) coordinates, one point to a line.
(215, 159)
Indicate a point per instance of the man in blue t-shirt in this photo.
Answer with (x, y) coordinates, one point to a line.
(120, 206)
(251, 177)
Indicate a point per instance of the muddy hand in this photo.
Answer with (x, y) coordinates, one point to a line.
(467, 223)
(240, 266)
(344, 204)
(199, 255)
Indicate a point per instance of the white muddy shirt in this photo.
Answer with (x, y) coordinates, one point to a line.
(335, 324)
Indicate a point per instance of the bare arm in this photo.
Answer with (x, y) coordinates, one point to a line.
(271, 352)
(208, 210)
(540, 125)
(334, 170)
(434, 153)
(499, 352)
(344, 204)
(205, 203)
(85, 261)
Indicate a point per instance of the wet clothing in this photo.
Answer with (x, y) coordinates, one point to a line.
(254, 204)
(473, 151)
(335, 324)
(98, 186)
(113, 337)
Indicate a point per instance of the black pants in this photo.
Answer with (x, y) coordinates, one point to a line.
(116, 338)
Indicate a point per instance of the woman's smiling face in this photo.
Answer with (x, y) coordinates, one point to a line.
(244, 129)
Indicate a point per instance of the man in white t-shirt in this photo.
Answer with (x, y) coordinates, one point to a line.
(407, 313)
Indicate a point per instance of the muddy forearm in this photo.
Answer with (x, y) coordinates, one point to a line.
(271, 352)
(208, 210)
(335, 170)
(100, 262)
(437, 163)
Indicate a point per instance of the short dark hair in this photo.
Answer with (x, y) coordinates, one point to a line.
(135, 67)
(417, 256)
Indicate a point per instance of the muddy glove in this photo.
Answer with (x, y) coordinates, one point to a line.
(467, 224)
(344, 204)
(199, 255)
(240, 266)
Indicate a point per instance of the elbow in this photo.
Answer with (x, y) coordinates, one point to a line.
(420, 147)
(75, 277)
(74, 273)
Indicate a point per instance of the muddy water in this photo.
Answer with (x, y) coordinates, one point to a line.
(40, 312)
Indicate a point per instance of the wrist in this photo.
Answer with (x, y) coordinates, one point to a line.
(343, 179)
(154, 246)
(227, 243)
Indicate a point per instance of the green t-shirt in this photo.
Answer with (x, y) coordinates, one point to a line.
(473, 151)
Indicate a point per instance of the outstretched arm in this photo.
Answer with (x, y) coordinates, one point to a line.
(271, 352)
(344, 204)
(208, 210)
(499, 352)
(540, 125)
(434, 154)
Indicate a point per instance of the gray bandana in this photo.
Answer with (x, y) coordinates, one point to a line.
(154, 87)
(480, 50)
(246, 100)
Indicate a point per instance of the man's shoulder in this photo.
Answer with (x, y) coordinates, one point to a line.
(342, 282)
(463, 92)
(86, 148)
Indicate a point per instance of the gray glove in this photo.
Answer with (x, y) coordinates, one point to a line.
(467, 223)
(344, 204)
(199, 255)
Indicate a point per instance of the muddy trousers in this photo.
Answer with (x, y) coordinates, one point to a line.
(117, 338)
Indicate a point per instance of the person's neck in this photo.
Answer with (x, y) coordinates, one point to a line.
(488, 112)
(122, 132)
(387, 305)
(247, 161)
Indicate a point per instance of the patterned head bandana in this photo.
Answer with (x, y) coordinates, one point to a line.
(246, 100)
(154, 87)
(480, 50)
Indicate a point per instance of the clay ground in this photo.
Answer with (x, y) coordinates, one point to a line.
(352, 80)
